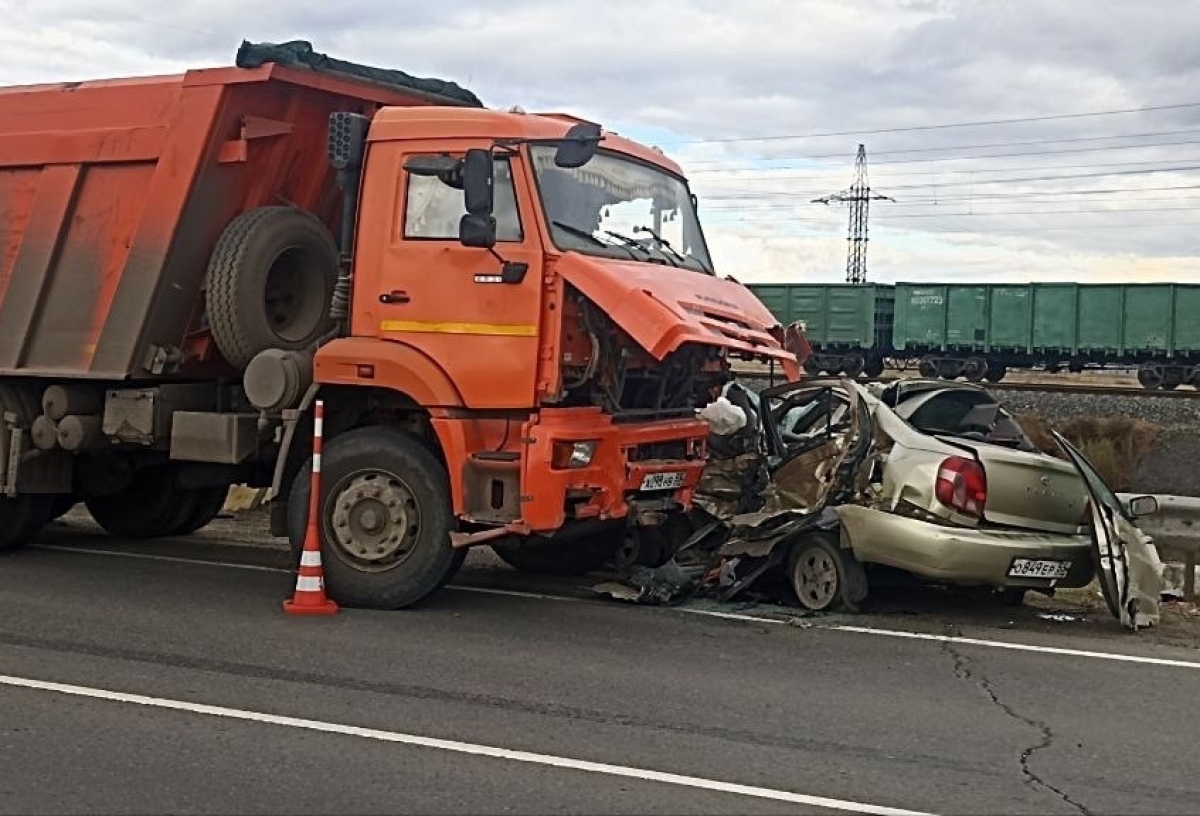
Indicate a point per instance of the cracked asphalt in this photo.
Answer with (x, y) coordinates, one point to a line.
(861, 719)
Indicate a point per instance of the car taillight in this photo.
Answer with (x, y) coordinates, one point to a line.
(962, 485)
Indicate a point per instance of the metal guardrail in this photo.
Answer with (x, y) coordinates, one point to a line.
(1175, 529)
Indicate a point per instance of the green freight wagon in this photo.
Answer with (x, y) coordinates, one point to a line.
(849, 326)
(945, 326)
(1153, 325)
(980, 330)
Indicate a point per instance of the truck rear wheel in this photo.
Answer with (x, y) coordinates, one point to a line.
(21, 517)
(205, 504)
(385, 519)
(155, 505)
(270, 282)
(150, 507)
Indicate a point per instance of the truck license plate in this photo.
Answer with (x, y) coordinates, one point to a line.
(662, 481)
(1038, 568)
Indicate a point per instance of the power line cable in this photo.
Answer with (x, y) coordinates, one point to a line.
(942, 126)
(948, 148)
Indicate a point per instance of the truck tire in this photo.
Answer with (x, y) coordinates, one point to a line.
(152, 506)
(61, 504)
(204, 505)
(22, 517)
(557, 558)
(270, 281)
(385, 519)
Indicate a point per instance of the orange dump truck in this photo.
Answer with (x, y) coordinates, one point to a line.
(510, 318)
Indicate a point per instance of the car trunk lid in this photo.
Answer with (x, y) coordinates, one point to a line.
(1029, 490)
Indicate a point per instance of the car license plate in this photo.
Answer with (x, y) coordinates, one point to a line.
(662, 481)
(1038, 568)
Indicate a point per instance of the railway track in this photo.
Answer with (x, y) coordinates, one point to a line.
(1183, 392)
(1090, 388)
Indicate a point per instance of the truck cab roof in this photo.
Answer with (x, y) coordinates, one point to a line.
(416, 123)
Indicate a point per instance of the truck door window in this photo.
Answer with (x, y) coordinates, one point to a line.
(433, 207)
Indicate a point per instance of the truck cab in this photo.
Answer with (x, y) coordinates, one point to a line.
(541, 294)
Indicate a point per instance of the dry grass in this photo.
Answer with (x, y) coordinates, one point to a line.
(1114, 445)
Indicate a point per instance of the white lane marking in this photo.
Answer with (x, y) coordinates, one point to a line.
(457, 747)
(966, 641)
(1024, 647)
(859, 630)
(737, 616)
(512, 593)
(151, 557)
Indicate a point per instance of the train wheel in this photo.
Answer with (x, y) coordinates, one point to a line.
(874, 367)
(855, 364)
(927, 368)
(974, 369)
(995, 372)
(1150, 376)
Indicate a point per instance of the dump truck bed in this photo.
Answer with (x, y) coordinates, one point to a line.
(113, 193)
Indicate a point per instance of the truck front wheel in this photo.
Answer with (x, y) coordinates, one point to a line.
(384, 517)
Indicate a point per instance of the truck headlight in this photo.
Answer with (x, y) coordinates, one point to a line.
(572, 455)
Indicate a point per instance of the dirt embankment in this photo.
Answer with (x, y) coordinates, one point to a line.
(1141, 444)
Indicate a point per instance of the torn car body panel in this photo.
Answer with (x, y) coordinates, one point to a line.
(1127, 563)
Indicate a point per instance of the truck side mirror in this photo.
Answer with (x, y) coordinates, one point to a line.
(475, 230)
(579, 146)
(478, 180)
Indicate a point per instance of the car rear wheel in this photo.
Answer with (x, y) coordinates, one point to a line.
(824, 576)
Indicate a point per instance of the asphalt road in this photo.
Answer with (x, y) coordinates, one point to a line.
(837, 720)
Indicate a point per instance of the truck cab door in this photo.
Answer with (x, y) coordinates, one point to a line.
(448, 300)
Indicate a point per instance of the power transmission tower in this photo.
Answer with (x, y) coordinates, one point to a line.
(858, 196)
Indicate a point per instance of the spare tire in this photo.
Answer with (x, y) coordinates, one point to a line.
(270, 281)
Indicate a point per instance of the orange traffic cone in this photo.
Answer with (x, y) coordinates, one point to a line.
(310, 598)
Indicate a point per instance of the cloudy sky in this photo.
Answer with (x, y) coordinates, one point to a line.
(765, 101)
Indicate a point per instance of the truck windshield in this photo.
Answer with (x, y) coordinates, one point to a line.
(621, 208)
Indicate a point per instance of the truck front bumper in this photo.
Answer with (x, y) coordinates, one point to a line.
(633, 465)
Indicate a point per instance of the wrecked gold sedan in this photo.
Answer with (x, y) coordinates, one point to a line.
(832, 480)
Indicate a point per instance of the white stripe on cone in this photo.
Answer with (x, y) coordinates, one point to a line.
(318, 426)
(316, 463)
(310, 558)
(306, 583)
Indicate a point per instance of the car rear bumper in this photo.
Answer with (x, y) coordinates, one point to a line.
(961, 555)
